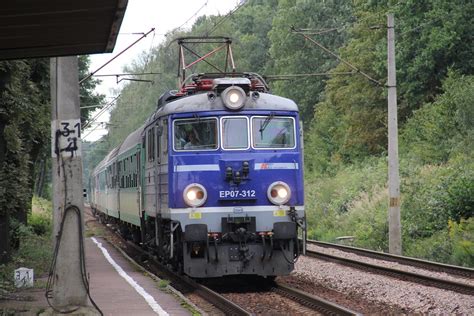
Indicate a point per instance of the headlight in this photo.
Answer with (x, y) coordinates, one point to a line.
(279, 193)
(233, 98)
(194, 195)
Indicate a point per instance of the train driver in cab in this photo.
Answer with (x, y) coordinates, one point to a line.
(192, 138)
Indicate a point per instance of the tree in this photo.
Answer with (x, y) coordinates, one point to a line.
(24, 130)
(292, 54)
(25, 123)
(432, 36)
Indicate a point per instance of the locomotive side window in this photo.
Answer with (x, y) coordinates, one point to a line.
(151, 144)
(270, 132)
(235, 132)
(159, 131)
(195, 134)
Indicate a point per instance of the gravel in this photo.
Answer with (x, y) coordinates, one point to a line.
(394, 296)
(391, 264)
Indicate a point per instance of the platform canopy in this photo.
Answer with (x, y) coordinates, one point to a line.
(45, 28)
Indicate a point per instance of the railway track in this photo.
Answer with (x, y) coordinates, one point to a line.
(186, 284)
(246, 291)
(318, 304)
(219, 301)
(419, 263)
(398, 273)
(228, 307)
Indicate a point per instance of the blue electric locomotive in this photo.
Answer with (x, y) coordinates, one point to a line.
(213, 181)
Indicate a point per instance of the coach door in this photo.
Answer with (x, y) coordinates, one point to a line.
(149, 177)
(162, 166)
(137, 179)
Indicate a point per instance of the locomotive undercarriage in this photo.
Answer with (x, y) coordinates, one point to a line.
(239, 249)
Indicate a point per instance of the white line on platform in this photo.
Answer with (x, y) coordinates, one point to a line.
(148, 298)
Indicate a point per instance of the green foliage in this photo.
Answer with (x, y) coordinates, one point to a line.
(435, 194)
(292, 54)
(24, 116)
(35, 252)
(353, 201)
(454, 245)
(162, 284)
(349, 123)
(40, 219)
(336, 205)
(462, 236)
(436, 247)
(88, 97)
(434, 35)
(440, 127)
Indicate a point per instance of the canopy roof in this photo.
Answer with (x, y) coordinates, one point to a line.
(44, 28)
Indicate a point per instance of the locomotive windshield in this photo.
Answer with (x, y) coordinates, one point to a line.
(273, 132)
(195, 134)
(266, 132)
(235, 133)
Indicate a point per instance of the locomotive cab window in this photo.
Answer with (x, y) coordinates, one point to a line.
(271, 132)
(235, 132)
(195, 134)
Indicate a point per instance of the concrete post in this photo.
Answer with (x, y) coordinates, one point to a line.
(68, 289)
(394, 235)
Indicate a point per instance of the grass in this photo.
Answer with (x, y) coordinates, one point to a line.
(163, 284)
(35, 249)
(94, 231)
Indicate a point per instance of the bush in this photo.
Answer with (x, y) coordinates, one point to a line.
(462, 237)
(34, 252)
(40, 219)
(433, 132)
(437, 247)
(330, 200)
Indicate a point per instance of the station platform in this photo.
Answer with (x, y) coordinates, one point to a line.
(119, 288)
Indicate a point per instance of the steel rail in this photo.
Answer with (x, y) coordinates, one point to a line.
(420, 263)
(219, 301)
(312, 301)
(396, 273)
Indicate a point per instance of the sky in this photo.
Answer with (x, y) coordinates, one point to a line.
(140, 17)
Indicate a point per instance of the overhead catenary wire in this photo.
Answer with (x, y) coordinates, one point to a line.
(129, 74)
(317, 74)
(113, 58)
(105, 108)
(96, 129)
(357, 70)
(196, 13)
(228, 15)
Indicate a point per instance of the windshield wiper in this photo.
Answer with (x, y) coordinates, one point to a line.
(265, 123)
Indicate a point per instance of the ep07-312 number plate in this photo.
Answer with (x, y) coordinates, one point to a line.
(237, 195)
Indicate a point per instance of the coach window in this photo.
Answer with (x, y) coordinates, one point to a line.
(270, 132)
(195, 134)
(235, 133)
